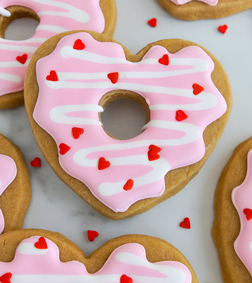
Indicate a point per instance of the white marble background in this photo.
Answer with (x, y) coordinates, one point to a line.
(55, 207)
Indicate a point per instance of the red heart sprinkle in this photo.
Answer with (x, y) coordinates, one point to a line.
(185, 223)
(153, 152)
(36, 162)
(41, 244)
(103, 163)
(128, 185)
(77, 132)
(197, 89)
(22, 59)
(79, 45)
(153, 22)
(92, 235)
(223, 28)
(113, 77)
(248, 213)
(52, 77)
(64, 148)
(126, 279)
(164, 60)
(6, 278)
(181, 115)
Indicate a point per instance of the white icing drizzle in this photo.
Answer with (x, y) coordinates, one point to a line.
(4, 12)
(58, 114)
(29, 249)
(173, 274)
(2, 222)
(73, 12)
(51, 28)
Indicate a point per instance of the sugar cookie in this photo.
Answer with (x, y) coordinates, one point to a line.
(33, 255)
(204, 9)
(127, 177)
(54, 17)
(15, 188)
(233, 213)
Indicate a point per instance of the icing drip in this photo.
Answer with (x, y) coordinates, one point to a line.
(32, 265)
(55, 17)
(209, 2)
(2, 222)
(81, 79)
(242, 200)
(8, 172)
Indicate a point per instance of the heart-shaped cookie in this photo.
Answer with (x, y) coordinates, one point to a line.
(204, 9)
(15, 187)
(232, 229)
(126, 259)
(53, 18)
(159, 159)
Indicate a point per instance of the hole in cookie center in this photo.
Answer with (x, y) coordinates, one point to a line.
(21, 25)
(21, 29)
(125, 114)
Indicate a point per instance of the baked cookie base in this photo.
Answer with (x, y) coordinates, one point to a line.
(156, 249)
(196, 10)
(175, 180)
(15, 99)
(15, 200)
(226, 225)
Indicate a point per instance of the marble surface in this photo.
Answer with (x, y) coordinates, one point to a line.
(55, 207)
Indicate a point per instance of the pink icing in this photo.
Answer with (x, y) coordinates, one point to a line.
(242, 199)
(72, 101)
(2, 222)
(43, 265)
(209, 2)
(8, 172)
(55, 16)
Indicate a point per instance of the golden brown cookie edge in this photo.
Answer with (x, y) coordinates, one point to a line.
(226, 226)
(156, 249)
(184, 174)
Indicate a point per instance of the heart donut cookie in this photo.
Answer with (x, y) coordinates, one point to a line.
(204, 9)
(43, 256)
(182, 86)
(15, 188)
(232, 230)
(54, 16)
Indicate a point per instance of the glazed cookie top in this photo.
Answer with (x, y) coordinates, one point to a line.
(37, 258)
(15, 187)
(8, 172)
(242, 200)
(204, 9)
(181, 96)
(55, 17)
(209, 2)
